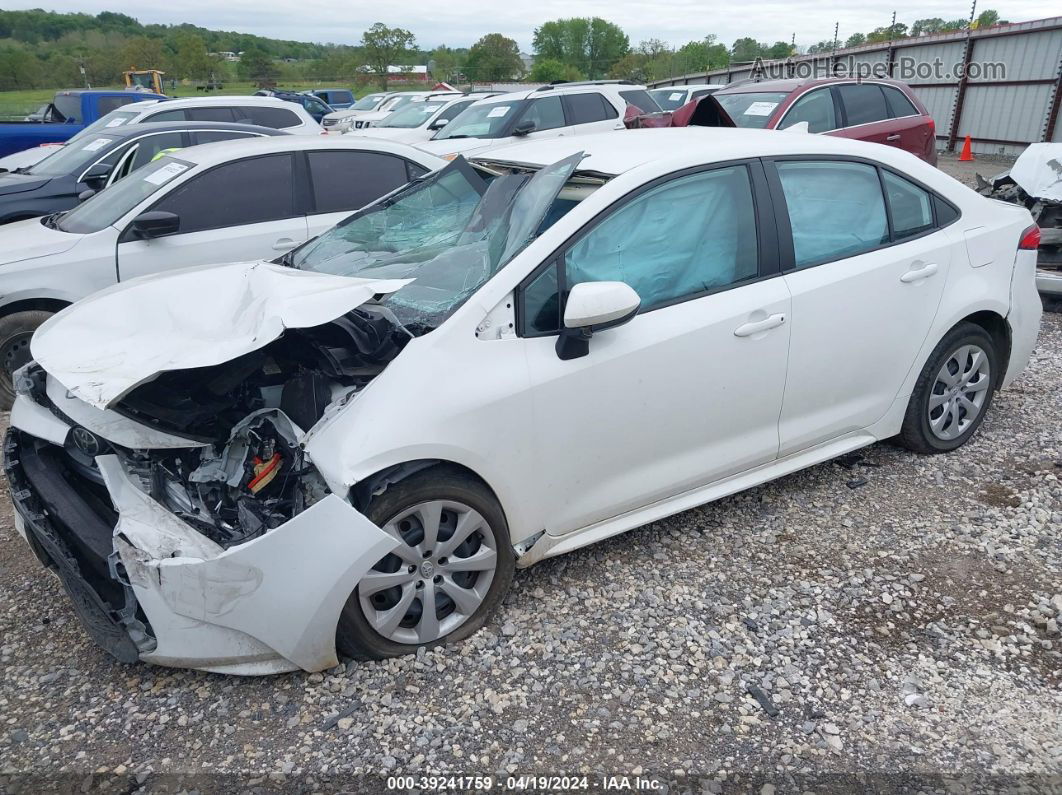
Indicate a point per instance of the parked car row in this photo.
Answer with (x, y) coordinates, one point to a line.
(291, 397)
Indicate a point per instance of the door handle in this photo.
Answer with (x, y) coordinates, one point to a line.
(284, 244)
(757, 326)
(895, 137)
(917, 274)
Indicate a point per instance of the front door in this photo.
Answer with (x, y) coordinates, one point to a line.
(238, 211)
(686, 393)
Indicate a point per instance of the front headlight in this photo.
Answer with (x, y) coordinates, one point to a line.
(450, 156)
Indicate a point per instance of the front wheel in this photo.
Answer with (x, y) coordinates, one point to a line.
(16, 330)
(953, 391)
(453, 566)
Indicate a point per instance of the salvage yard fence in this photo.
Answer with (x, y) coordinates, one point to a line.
(1001, 85)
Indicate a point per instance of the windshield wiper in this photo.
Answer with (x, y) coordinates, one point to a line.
(51, 221)
(454, 137)
(287, 259)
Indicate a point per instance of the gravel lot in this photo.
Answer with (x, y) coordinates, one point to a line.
(906, 630)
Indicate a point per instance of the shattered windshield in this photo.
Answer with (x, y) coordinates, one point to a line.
(450, 232)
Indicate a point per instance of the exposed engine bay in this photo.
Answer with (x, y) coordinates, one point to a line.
(250, 474)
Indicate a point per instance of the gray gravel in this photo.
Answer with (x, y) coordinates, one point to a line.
(908, 627)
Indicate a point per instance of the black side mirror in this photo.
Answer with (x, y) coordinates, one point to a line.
(97, 173)
(524, 127)
(154, 223)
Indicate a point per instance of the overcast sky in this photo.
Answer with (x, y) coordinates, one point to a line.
(458, 23)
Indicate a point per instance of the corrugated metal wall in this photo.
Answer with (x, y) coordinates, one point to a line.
(1000, 114)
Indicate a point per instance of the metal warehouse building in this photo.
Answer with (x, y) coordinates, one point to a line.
(1000, 85)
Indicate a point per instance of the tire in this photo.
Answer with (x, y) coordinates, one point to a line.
(15, 332)
(958, 392)
(405, 510)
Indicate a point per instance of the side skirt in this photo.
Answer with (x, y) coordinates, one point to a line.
(548, 546)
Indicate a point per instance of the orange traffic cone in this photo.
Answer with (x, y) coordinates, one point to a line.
(966, 153)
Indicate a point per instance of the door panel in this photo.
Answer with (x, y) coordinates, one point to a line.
(686, 393)
(861, 311)
(670, 401)
(267, 240)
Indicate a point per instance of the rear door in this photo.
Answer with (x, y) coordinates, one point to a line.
(344, 181)
(864, 113)
(590, 112)
(242, 210)
(866, 276)
(917, 132)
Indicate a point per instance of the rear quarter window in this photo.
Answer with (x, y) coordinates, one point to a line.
(899, 104)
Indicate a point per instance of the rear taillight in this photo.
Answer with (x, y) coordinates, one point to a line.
(1030, 239)
(932, 127)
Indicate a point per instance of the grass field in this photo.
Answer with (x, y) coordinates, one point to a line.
(16, 104)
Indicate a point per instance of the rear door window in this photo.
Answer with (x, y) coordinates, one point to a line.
(347, 181)
(899, 104)
(836, 210)
(211, 114)
(863, 103)
(641, 100)
(247, 191)
(107, 104)
(586, 108)
(277, 118)
(911, 206)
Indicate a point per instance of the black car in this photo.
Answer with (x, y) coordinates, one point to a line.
(314, 105)
(60, 180)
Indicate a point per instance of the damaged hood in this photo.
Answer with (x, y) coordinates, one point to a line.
(1038, 171)
(113, 341)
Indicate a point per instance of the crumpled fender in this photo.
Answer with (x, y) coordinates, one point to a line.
(282, 592)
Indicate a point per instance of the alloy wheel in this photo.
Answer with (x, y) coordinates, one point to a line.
(437, 577)
(959, 392)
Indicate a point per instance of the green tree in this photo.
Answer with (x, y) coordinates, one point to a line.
(779, 50)
(494, 57)
(888, 33)
(141, 52)
(987, 18)
(446, 63)
(953, 25)
(191, 60)
(590, 44)
(921, 27)
(855, 40)
(745, 50)
(257, 65)
(703, 55)
(549, 70)
(383, 47)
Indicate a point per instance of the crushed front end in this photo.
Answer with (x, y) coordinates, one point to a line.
(186, 523)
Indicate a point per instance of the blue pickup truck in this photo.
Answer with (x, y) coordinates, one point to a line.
(67, 115)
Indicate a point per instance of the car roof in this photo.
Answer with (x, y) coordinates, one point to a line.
(180, 102)
(224, 151)
(791, 84)
(133, 130)
(616, 152)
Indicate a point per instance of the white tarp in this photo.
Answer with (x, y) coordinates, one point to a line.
(1038, 171)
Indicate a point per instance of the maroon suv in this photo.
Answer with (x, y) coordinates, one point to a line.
(878, 110)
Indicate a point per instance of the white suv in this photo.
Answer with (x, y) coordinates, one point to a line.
(418, 121)
(342, 121)
(550, 111)
(263, 111)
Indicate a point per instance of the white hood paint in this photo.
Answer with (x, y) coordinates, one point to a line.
(104, 346)
(1038, 170)
(30, 239)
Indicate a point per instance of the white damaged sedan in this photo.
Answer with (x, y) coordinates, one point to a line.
(258, 467)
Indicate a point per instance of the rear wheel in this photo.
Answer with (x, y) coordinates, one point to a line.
(452, 567)
(16, 330)
(953, 391)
